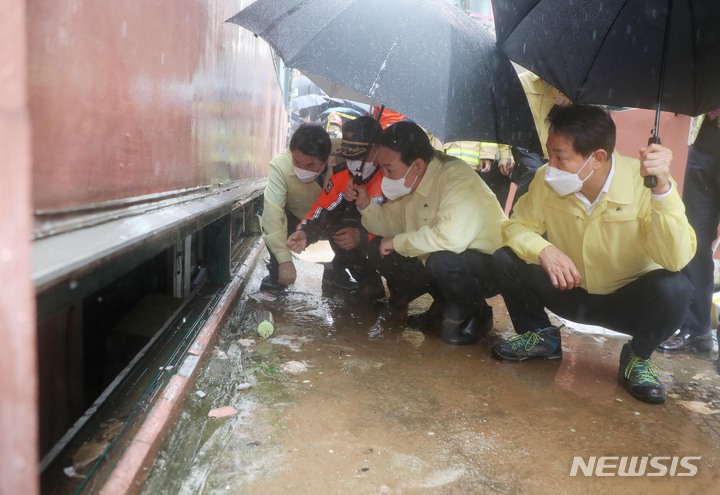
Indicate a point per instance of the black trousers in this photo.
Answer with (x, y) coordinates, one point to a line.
(526, 164)
(354, 260)
(497, 182)
(649, 309)
(701, 195)
(461, 281)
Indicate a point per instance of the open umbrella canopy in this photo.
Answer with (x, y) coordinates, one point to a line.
(424, 58)
(619, 52)
(309, 101)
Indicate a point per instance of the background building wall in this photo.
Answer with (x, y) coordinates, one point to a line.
(18, 370)
(129, 99)
(103, 101)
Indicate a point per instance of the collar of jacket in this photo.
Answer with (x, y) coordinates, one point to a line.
(428, 180)
(622, 186)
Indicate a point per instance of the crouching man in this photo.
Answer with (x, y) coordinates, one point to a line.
(592, 244)
(435, 233)
(296, 177)
(337, 219)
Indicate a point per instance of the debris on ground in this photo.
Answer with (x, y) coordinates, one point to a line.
(222, 412)
(263, 297)
(94, 448)
(698, 407)
(295, 367)
(290, 341)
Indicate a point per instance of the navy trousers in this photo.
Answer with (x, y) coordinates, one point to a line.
(461, 281)
(649, 309)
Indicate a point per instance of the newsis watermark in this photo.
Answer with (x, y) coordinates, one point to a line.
(625, 465)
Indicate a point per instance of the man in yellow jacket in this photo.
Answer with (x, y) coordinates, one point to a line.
(296, 178)
(435, 233)
(590, 243)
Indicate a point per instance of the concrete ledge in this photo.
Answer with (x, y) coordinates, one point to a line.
(130, 471)
(96, 239)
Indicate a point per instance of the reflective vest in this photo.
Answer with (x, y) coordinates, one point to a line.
(331, 207)
(472, 151)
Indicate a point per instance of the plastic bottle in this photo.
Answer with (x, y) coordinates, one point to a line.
(266, 323)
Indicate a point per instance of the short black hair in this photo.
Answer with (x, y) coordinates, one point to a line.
(590, 127)
(312, 140)
(408, 139)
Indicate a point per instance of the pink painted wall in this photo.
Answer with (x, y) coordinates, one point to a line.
(131, 98)
(633, 130)
(109, 100)
(18, 367)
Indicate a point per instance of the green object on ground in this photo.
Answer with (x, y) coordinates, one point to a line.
(266, 324)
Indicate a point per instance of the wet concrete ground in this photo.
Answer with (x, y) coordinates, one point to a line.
(346, 400)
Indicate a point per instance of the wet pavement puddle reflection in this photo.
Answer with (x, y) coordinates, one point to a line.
(343, 399)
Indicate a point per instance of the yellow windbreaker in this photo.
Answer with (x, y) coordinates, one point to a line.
(284, 189)
(452, 209)
(627, 234)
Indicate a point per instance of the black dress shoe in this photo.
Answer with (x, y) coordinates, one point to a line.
(268, 284)
(430, 318)
(369, 293)
(685, 342)
(468, 331)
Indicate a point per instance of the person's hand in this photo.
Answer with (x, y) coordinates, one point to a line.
(655, 160)
(297, 242)
(347, 237)
(386, 246)
(506, 165)
(356, 193)
(286, 273)
(560, 268)
(485, 164)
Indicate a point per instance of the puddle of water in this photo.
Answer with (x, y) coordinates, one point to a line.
(375, 407)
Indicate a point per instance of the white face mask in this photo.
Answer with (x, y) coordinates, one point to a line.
(364, 171)
(305, 176)
(563, 182)
(354, 166)
(396, 188)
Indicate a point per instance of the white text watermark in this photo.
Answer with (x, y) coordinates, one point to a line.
(635, 466)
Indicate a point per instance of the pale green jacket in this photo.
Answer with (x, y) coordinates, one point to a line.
(451, 210)
(695, 128)
(284, 189)
(627, 235)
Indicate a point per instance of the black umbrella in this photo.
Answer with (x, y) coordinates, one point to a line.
(309, 101)
(656, 54)
(424, 58)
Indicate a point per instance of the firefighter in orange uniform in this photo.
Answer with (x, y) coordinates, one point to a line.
(334, 217)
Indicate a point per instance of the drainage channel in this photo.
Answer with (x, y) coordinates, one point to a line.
(85, 457)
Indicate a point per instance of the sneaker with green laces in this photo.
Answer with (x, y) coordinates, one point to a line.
(640, 377)
(540, 343)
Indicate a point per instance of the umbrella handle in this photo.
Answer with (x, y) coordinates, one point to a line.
(650, 181)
